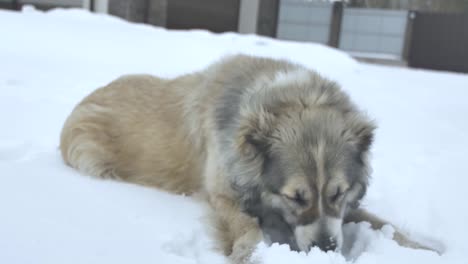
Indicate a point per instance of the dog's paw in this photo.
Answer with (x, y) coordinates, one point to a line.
(244, 246)
(404, 241)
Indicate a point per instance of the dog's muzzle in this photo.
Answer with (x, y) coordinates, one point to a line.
(324, 233)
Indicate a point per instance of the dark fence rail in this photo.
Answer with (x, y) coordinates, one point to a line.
(12, 4)
(214, 15)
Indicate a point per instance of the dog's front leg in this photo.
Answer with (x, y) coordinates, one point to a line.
(237, 232)
(361, 215)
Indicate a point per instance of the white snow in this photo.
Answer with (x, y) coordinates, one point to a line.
(51, 214)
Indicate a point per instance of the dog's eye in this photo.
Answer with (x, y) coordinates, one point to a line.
(297, 198)
(337, 195)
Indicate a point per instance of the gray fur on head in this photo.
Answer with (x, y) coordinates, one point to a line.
(283, 123)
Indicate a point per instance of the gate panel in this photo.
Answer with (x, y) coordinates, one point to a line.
(303, 20)
(373, 31)
(439, 41)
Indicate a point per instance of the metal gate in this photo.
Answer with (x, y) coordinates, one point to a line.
(439, 41)
(304, 20)
(376, 31)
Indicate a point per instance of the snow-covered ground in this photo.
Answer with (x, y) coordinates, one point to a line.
(51, 214)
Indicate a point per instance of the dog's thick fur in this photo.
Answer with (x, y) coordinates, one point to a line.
(279, 152)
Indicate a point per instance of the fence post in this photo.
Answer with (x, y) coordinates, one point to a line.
(135, 10)
(335, 25)
(267, 22)
(408, 35)
(157, 12)
(92, 6)
(248, 16)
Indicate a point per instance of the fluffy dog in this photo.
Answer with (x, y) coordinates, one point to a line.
(279, 152)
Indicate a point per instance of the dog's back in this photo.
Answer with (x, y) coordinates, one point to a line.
(130, 130)
(154, 131)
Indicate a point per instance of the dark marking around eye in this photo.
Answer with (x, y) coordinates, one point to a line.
(338, 194)
(298, 198)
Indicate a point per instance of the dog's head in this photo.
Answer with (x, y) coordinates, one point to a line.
(302, 164)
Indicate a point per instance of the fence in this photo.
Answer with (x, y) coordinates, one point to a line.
(100, 6)
(363, 31)
(374, 31)
(439, 41)
(304, 21)
(215, 15)
(425, 40)
(48, 4)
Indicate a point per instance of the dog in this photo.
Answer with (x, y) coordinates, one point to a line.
(279, 152)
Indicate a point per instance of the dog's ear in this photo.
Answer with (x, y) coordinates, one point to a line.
(360, 132)
(254, 132)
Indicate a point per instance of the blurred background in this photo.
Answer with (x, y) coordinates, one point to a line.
(431, 34)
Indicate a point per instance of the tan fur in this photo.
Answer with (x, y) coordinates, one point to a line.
(165, 133)
(157, 132)
(120, 131)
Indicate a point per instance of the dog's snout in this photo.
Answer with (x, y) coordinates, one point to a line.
(326, 234)
(326, 243)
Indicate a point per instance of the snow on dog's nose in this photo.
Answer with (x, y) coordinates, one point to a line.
(324, 233)
(326, 243)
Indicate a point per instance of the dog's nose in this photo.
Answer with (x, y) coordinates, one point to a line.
(326, 243)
